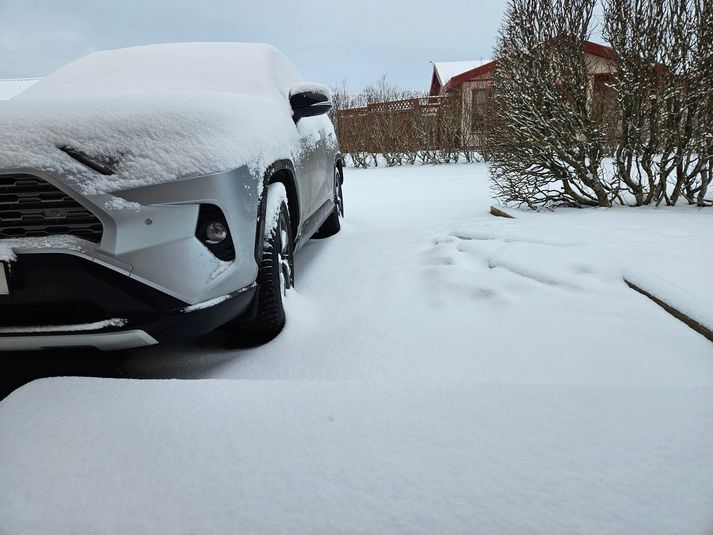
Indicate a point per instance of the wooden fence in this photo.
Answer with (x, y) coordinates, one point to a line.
(428, 129)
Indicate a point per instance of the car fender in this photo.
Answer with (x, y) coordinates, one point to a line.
(277, 168)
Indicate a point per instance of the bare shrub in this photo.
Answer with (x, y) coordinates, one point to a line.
(635, 33)
(663, 54)
(545, 146)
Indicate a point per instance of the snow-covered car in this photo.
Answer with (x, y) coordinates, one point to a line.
(158, 192)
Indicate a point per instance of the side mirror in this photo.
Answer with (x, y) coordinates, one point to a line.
(308, 100)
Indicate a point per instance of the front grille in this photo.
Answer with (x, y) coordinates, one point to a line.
(50, 313)
(32, 207)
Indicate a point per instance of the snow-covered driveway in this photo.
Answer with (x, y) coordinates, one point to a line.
(442, 371)
(423, 283)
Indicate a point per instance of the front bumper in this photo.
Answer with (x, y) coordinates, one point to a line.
(148, 280)
(149, 233)
(60, 300)
(110, 341)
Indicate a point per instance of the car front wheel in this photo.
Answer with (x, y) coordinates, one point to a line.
(275, 273)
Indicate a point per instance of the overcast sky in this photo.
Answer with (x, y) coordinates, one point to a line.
(350, 40)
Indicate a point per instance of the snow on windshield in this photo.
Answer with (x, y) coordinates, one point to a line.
(246, 68)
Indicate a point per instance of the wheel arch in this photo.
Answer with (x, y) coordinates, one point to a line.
(339, 163)
(284, 172)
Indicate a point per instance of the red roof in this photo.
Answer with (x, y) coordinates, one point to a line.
(456, 81)
(594, 49)
(599, 50)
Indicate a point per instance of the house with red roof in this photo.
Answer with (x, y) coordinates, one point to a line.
(451, 76)
(473, 79)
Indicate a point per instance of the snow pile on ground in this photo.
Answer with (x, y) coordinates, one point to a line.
(595, 250)
(160, 112)
(136, 457)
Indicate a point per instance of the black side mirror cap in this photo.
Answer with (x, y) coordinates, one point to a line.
(309, 100)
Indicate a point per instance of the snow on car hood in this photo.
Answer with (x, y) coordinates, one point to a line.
(152, 138)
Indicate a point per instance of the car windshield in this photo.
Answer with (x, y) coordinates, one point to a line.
(245, 68)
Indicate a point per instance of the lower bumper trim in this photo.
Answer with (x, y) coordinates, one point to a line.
(110, 341)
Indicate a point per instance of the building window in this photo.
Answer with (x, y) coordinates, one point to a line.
(480, 97)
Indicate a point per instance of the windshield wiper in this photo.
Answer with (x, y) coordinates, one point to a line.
(87, 160)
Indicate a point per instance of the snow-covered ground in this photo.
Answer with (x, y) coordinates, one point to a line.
(423, 283)
(135, 457)
(442, 370)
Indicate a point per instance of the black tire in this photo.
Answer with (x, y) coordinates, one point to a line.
(332, 224)
(276, 274)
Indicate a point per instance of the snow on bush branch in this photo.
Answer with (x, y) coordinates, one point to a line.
(662, 88)
(544, 141)
(551, 128)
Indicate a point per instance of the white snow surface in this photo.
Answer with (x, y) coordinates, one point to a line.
(313, 88)
(137, 457)
(694, 305)
(242, 68)
(12, 87)
(206, 304)
(423, 283)
(163, 112)
(276, 195)
(8, 245)
(441, 371)
(117, 203)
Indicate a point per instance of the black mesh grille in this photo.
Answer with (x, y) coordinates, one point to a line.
(49, 313)
(32, 207)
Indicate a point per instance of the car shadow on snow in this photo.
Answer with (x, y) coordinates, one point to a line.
(311, 256)
(194, 358)
(189, 359)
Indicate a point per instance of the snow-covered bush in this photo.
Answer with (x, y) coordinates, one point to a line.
(662, 87)
(545, 145)
(552, 124)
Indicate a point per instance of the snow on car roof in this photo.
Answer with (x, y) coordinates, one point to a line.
(14, 86)
(245, 68)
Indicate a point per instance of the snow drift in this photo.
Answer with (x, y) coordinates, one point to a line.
(125, 456)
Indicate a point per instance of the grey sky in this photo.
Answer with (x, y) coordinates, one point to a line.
(328, 41)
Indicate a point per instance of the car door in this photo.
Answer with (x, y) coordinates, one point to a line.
(316, 165)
